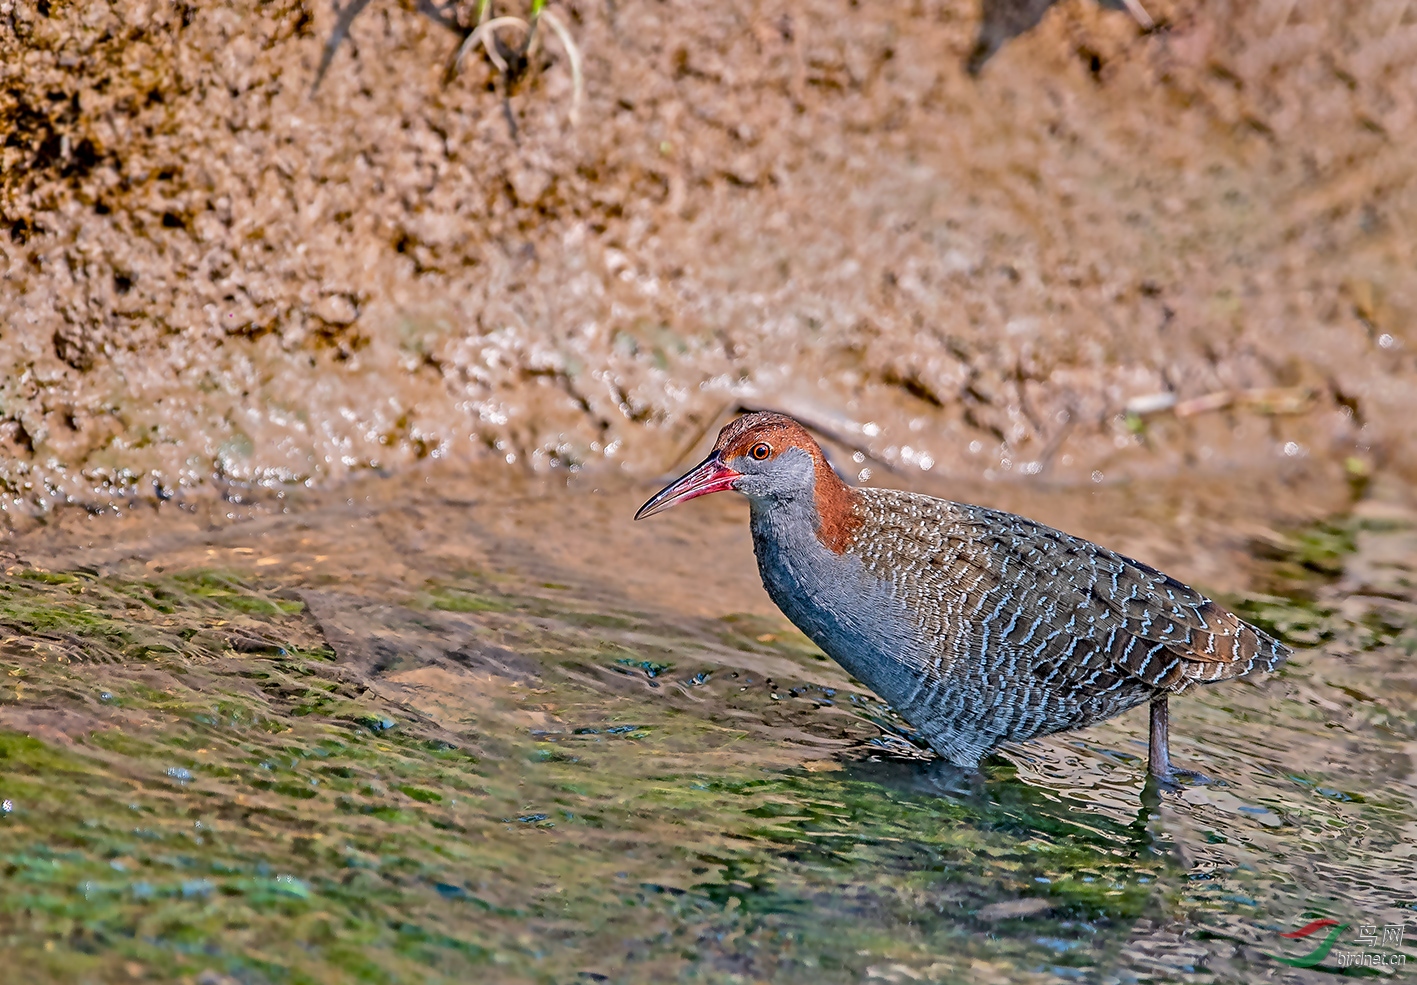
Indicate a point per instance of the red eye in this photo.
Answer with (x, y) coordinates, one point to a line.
(760, 451)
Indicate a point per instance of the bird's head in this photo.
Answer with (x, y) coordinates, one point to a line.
(765, 456)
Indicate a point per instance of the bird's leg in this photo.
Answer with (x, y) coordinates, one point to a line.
(1158, 757)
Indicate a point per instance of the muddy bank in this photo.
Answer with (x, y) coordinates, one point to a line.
(211, 277)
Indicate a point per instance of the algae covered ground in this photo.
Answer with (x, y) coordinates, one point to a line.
(242, 771)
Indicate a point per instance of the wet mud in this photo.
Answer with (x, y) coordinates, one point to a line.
(473, 726)
(1113, 253)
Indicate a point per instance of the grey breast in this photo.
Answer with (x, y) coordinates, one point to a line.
(852, 613)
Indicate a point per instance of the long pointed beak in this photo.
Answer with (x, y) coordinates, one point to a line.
(709, 476)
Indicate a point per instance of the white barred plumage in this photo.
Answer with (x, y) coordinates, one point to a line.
(1036, 630)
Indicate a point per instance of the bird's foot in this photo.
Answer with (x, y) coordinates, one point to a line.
(1191, 778)
(1175, 780)
(944, 778)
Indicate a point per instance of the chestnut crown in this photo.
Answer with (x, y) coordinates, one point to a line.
(771, 459)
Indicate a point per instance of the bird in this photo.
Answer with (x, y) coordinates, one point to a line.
(979, 627)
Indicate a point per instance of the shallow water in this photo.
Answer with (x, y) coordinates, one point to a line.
(453, 727)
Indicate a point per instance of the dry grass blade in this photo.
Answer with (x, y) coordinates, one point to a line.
(482, 34)
(1262, 400)
(574, 54)
(1139, 13)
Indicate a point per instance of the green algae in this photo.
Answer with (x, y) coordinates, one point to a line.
(452, 599)
(225, 797)
(530, 790)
